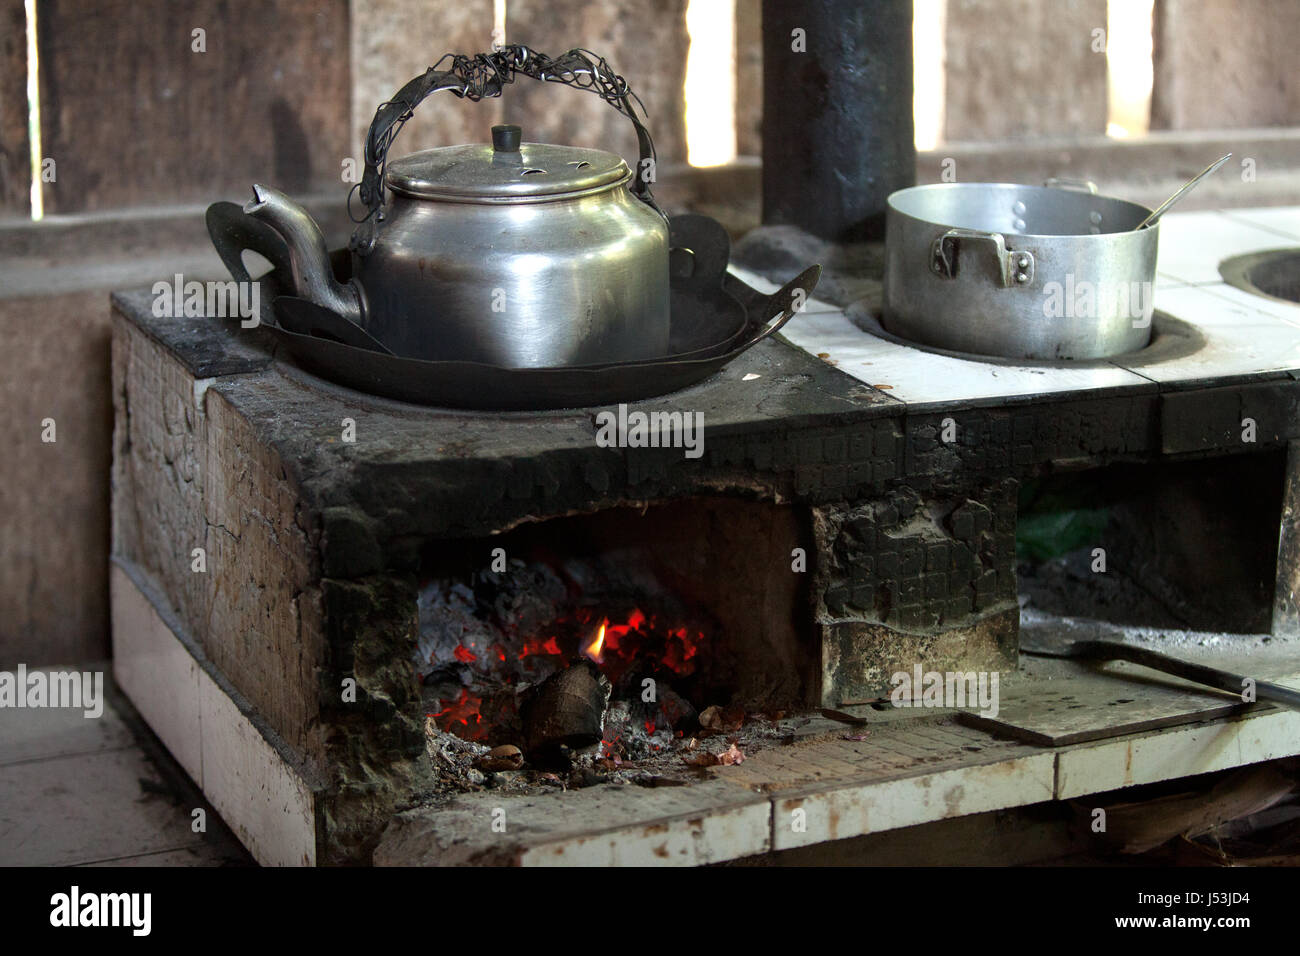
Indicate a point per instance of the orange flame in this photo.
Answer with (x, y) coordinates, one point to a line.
(592, 650)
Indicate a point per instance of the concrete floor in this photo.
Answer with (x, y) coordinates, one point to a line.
(99, 792)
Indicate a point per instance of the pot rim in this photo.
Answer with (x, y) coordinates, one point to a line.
(893, 209)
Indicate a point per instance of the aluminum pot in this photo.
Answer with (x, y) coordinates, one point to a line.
(509, 253)
(1029, 272)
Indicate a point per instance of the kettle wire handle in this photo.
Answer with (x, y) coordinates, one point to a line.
(486, 75)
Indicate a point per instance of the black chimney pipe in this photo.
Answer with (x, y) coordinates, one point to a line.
(837, 114)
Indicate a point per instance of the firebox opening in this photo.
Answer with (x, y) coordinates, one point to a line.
(1185, 545)
(622, 634)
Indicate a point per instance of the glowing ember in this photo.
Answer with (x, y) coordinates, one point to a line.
(550, 646)
(465, 712)
(464, 654)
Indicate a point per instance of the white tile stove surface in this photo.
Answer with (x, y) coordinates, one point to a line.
(1245, 335)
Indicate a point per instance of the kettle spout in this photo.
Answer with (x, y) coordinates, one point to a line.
(313, 279)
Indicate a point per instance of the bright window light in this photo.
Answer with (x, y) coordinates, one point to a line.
(928, 71)
(1128, 67)
(711, 82)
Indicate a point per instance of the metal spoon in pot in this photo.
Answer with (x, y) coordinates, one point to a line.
(1164, 206)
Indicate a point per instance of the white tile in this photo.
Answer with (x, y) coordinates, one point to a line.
(1192, 244)
(267, 805)
(840, 812)
(1260, 309)
(916, 376)
(1241, 338)
(1176, 752)
(80, 809)
(1222, 305)
(36, 733)
(1284, 220)
(155, 670)
(200, 854)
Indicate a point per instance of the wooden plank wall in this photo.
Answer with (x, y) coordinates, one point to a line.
(394, 41)
(53, 496)
(749, 77)
(133, 115)
(1225, 64)
(15, 161)
(644, 40)
(1020, 69)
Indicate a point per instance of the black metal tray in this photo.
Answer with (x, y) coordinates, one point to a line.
(714, 315)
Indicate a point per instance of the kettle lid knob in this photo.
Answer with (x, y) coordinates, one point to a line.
(506, 139)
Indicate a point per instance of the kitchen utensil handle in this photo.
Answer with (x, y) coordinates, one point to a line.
(1165, 206)
(1015, 268)
(1065, 182)
(486, 75)
(1199, 673)
(790, 299)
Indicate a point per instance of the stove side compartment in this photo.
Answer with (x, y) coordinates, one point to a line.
(917, 577)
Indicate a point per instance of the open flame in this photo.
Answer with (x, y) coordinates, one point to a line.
(593, 650)
(620, 641)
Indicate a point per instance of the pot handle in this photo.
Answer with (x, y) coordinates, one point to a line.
(1015, 268)
(486, 75)
(1065, 182)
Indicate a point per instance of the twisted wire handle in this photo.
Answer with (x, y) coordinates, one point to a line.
(486, 75)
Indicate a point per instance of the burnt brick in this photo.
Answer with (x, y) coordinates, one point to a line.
(864, 529)
(864, 597)
(936, 556)
(963, 524)
(961, 556)
(810, 451)
(911, 560)
(958, 607)
(936, 586)
(1006, 588)
(907, 503)
(911, 616)
(837, 600)
(886, 515)
(887, 565)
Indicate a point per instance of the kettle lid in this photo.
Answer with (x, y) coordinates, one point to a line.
(508, 170)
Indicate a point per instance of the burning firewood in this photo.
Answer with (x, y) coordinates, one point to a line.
(567, 710)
